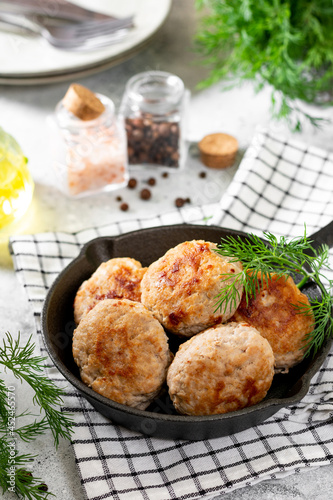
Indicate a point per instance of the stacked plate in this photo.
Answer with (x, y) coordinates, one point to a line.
(30, 60)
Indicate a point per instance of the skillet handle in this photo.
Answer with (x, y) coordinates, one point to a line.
(323, 236)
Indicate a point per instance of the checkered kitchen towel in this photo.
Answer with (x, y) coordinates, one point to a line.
(279, 185)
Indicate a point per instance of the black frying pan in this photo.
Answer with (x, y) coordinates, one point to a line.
(160, 419)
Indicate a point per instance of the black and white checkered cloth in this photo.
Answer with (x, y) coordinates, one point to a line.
(279, 186)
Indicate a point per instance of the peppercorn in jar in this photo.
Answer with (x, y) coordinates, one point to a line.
(154, 112)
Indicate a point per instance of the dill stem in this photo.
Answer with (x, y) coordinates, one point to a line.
(302, 282)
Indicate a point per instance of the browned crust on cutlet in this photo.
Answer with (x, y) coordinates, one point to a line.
(274, 315)
(118, 278)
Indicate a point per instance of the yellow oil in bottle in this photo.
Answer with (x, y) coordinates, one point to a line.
(16, 184)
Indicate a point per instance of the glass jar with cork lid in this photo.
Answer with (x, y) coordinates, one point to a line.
(154, 109)
(93, 152)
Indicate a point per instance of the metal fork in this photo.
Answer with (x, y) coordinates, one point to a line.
(74, 36)
(60, 9)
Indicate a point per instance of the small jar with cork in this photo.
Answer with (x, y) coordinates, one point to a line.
(93, 151)
(154, 110)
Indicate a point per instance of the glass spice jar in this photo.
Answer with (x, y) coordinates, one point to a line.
(154, 110)
(94, 152)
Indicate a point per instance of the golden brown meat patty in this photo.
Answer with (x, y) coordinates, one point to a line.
(273, 313)
(122, 352)
(222, 369)
(118, 278)
(181, 287)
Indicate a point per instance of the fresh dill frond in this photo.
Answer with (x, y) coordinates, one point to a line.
(323, 322)
(286, 45)
(280, 257)
(230, 294)
(27, 368)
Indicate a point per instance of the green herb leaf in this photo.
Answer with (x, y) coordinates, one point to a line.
(28, 368)
(285, 44)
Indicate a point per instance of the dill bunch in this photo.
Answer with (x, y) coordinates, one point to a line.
(287, 44)
(282, 258)
(28, 368)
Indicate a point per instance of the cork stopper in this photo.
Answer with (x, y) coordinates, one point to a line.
(218, 150)
(82, 102)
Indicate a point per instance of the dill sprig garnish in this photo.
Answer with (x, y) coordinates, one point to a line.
(27, 368)
(286, 45)
(281, 258)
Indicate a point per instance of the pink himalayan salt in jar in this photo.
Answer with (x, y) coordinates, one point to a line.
(95, 152)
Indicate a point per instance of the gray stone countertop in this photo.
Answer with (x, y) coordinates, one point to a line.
(23, 113)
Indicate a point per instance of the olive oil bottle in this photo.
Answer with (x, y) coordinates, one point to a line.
(16, 184)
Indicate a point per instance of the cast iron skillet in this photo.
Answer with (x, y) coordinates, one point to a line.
(160, 419)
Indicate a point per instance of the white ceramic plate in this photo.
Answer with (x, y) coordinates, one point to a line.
(25, 59)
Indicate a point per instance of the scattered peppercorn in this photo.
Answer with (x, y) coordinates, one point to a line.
(165, 175)
(151, 181)
(132, 183)
(187, 200)
(119, 198)
(124, 207)
(202, 175)
(179, 202)
(42, 487)
(145, 194)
